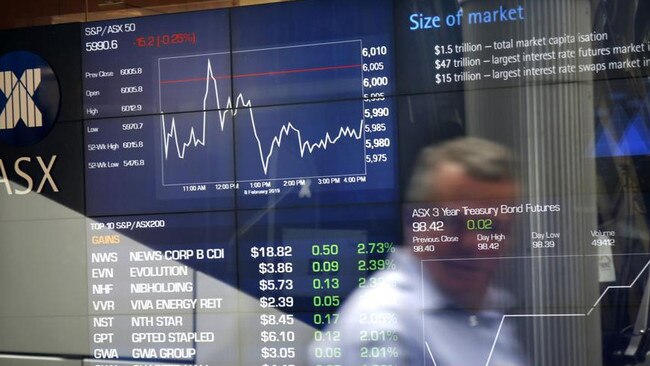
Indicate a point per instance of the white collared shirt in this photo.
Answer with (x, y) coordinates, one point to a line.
(408, 316)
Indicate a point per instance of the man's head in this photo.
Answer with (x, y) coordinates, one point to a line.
(460, 174)
(475, 158)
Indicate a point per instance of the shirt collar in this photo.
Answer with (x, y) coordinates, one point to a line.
(434, 299)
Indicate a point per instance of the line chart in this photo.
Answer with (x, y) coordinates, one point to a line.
(270, 142)
(542, 315)
(193, 140)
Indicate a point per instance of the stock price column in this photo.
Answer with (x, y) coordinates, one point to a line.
(301, 265)
(163, 289)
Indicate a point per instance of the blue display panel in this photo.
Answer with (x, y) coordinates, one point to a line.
(164, 69)
(300, 73)
(309, 120)
(449, 45)
(339, 44)
(315, 123)
(124, 70)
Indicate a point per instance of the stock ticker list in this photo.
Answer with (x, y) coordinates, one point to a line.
(176, 288)
(163, 288)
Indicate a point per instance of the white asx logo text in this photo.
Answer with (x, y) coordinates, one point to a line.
(21, 166)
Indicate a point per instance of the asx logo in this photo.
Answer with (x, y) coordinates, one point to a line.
(29, 106)
(29, 98)
(20, 105)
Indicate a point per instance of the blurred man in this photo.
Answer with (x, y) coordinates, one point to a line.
(439, 306)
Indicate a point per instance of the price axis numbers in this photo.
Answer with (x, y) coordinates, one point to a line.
(377, 107)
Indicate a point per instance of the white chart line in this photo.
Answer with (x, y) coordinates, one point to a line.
(529, 257)
(496, 337)
(619, 286)
(285, 130)
(430, 354)
(231, 108)
(503, 318)
(298, 46)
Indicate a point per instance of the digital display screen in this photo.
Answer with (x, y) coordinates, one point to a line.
(282, 118)
(146, 150)
(330, 183)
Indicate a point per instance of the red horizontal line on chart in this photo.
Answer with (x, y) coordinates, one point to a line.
(324, 68)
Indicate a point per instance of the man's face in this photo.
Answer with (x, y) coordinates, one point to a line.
(463, 268)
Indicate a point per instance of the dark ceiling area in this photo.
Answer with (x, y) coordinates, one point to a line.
(27, 13)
